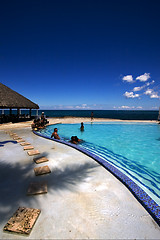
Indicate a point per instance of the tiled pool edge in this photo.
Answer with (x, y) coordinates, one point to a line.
(147, 202)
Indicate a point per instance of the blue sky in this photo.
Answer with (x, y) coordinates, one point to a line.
(82, 54)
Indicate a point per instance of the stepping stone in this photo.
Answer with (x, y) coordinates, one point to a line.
(42, 170)
(22, 220)
(13, 134)
(40, 160)
(17, 138)
(28, 147)
(37, 188)
(20, 140)
(33, 152)
(24, 143)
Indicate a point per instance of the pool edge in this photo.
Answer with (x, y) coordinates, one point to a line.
(144, 199)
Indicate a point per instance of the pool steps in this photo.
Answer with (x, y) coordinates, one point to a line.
(146, 201)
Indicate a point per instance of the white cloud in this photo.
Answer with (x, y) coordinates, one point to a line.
(148, 91)
(151, 93)
(130, 95)
(128, 78)
(69, 107)
(149, 83)
(145, 87)
(78, 107)
(84, 105)
(144, 77)
(154, 95)
(136, 89)
(155, 108)
(125, 107)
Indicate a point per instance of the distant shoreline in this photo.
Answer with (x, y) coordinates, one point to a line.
(56, 120)
(87, 119)
(104, 114)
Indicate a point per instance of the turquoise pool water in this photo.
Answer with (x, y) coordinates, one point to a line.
(134, 148)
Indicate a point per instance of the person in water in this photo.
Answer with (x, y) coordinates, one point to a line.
(82, 127)
(75, 140)
(55, 134)
(92, 116)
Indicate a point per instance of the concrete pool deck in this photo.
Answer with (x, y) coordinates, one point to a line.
(83, 200)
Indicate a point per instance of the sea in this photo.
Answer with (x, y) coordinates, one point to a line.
(113, 114)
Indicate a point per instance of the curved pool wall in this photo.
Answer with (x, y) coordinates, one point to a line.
(146, 201)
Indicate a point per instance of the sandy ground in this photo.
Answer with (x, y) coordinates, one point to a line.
(66, 120)
(84, 201)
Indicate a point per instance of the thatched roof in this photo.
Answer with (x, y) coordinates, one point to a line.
(12, 99)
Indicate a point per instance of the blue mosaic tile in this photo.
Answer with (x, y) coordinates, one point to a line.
(147, 202)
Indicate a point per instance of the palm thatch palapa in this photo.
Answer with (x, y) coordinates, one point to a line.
(9, 99)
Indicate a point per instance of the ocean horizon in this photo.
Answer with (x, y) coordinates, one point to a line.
(112, 114)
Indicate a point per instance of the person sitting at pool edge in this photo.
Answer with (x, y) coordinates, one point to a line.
(43, 120)
(36, 124)
(33, 125)
(55, 134)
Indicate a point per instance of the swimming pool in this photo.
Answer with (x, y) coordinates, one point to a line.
(133, 148)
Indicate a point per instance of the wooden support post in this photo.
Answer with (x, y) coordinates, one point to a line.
(18, 112)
